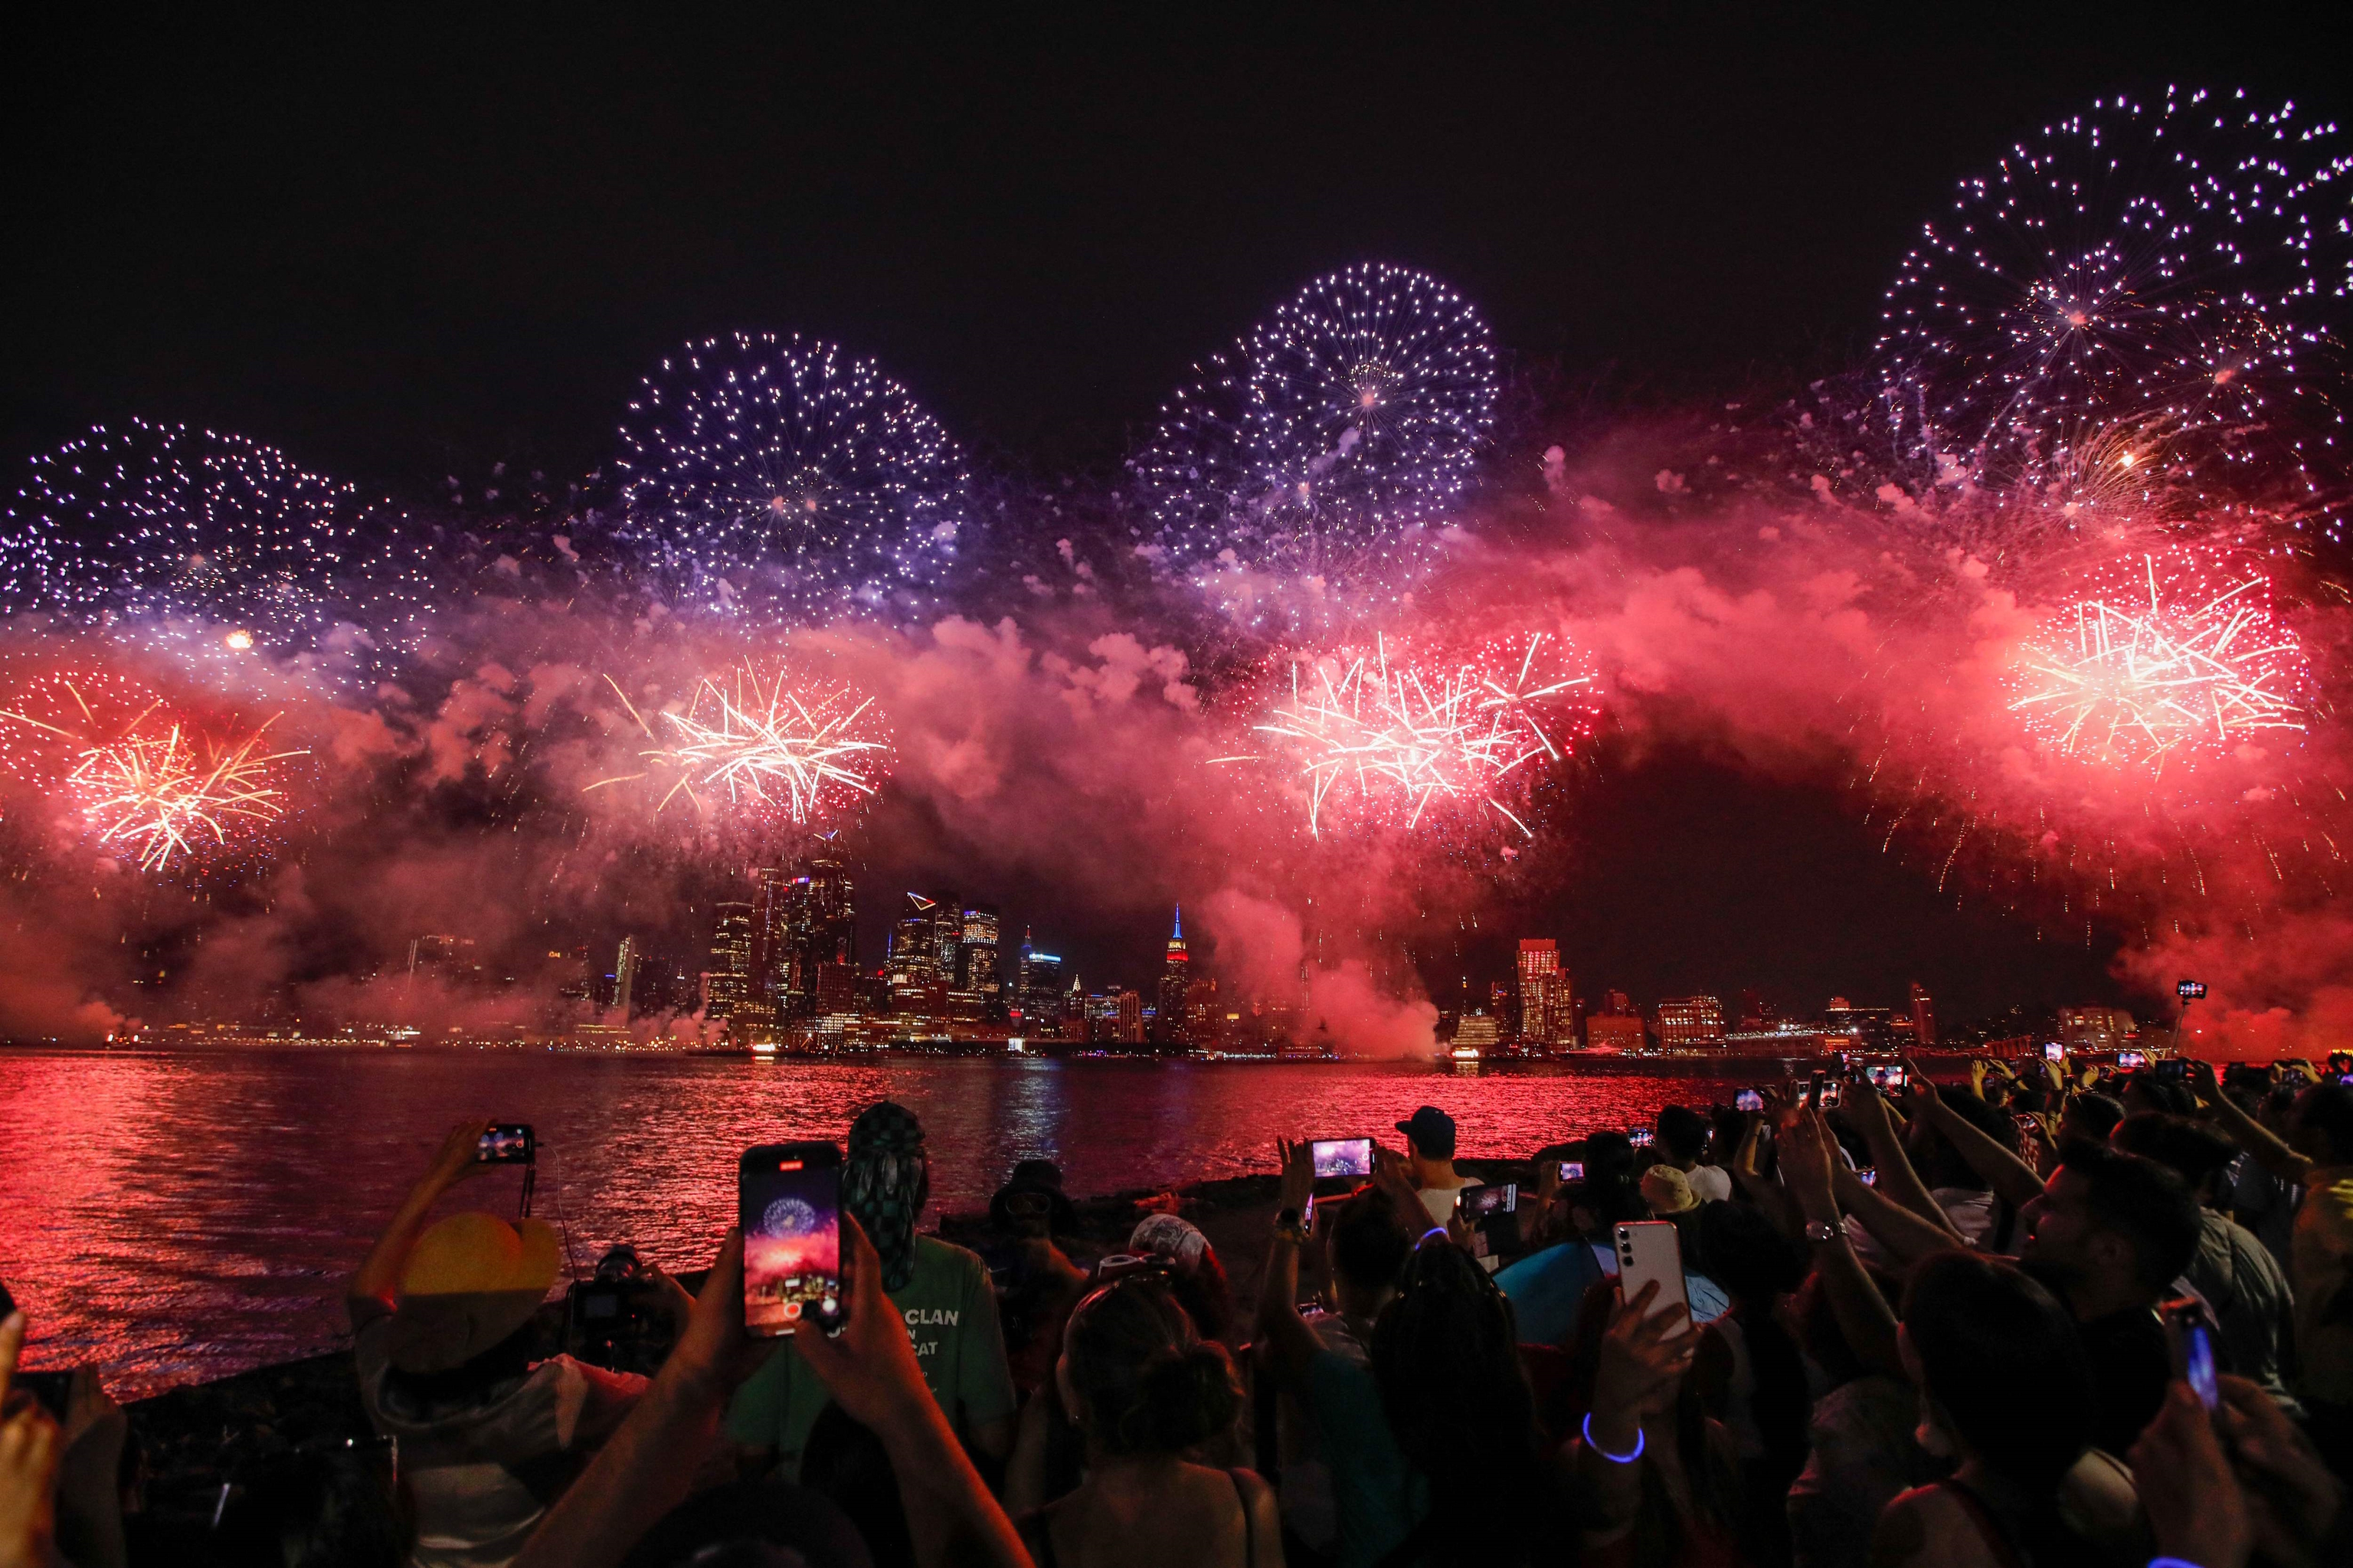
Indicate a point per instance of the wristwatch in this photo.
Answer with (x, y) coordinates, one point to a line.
(1822, 1230)
(1287, 1224)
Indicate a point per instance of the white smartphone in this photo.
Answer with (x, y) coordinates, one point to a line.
(1650, 1250)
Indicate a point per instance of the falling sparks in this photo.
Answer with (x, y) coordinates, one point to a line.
(768, 474)
(762, 746)
(1328, 438)
(1380, 739)
(2166, 265)
(2159, 669)
(165, 794)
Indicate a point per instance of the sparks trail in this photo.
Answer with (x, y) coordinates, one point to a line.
(1403, 737)
(178, 794)
(769, 748)
(2191, 670)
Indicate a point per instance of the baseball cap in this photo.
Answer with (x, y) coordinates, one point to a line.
(1432, 1131)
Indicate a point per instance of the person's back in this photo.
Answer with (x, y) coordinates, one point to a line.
(2006, 1389)
(1946, 1526)
(1145, 1390)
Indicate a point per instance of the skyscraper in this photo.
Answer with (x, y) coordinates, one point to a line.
(727, 987)
(625, 977)
(915, 943)
(1923, 1017)
(1040, 989)
(1544, 993)
(805, 919)
(1175, 976)
(976, 962)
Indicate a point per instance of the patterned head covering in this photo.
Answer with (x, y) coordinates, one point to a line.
(885, 1183)
(1179, 1240)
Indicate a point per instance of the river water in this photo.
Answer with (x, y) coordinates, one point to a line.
(176, 1217)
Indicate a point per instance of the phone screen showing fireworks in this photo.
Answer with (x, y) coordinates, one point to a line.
(1748, 1100)
(1481, 1203)
(788, 1202)
(2054, 1052)
(1572, 1169)
(1639, 1136)
(506, 1143)
(1341, 1156)
(2128, 1060)
(1886, 1078)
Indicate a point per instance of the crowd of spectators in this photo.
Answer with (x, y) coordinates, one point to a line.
(2029, 1321)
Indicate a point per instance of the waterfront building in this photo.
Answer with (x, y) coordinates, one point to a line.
(1923, 1018)
(1476, 1031)
(1544, 1017)
(2095, 1028)
(1130, 1015)
(1863, 1028)
(1690, 1021)
(1615, 1031)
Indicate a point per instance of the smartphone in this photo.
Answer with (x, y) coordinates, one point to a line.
(2191, 1336)
(1639, 1136)
(1748, 1100)
(52, 1389)
(1869, 1175)
(788, 1202)
(1572, 1171)
(2127, 1061)
(1830, 1095)
(1814, 1089)
(1341, 1156)
(1495, 1198)
(2054, 1052)
(1886, 1078)
(1650, 1250)
(507, 1143)
(2172, 1070)
(1307, 1215)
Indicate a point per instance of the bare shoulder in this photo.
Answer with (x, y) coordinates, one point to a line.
(1927, 1528)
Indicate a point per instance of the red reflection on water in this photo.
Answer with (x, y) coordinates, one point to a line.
(181, 1217)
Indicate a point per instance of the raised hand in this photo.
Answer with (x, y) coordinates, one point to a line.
(1298, 1174)
(869, 1368)
(29, 1450)
(459, 1156)
(2195, 1508)
(1644, 1353)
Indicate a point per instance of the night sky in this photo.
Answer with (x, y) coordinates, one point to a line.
(403, 248)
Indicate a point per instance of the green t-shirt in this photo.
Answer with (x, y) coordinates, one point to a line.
(951, 1315)
(1379, 1495)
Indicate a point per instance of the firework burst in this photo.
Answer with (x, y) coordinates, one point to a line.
(189, 536)
(2163, 662)
(1327, 439)
(2175, 265)
(169, 794)
(1377, 739)
(756, 745)
(779, 473)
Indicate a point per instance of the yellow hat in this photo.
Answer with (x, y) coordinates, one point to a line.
(1668, 1190)
(470, 1282)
